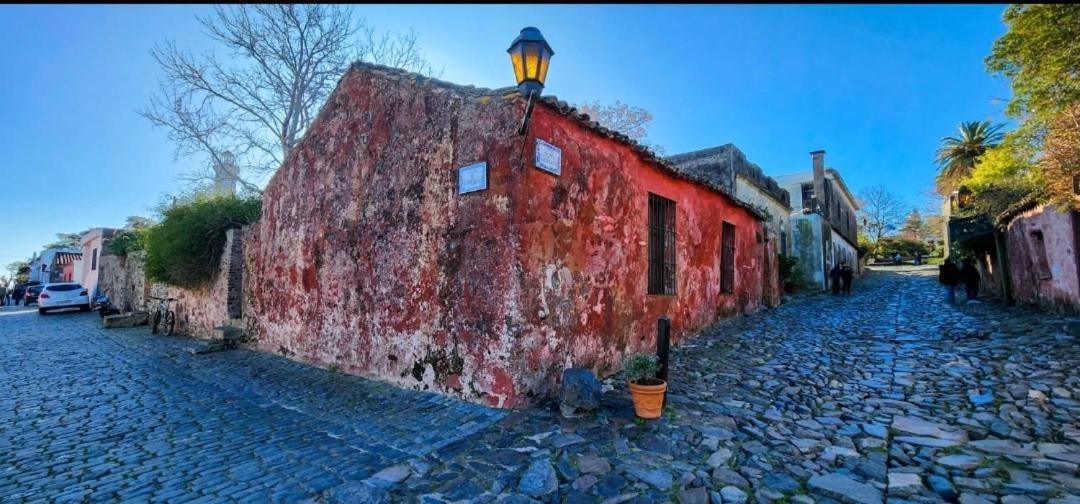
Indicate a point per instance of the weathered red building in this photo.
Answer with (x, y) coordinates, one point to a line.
(370, 255)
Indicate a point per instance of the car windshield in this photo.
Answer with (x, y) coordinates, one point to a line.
(63, 287)
(35, 289)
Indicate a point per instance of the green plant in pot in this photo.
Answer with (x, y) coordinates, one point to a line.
(646, 390)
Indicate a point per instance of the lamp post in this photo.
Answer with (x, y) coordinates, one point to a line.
(530, 55)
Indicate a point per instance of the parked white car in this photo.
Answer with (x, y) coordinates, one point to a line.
(63, 295)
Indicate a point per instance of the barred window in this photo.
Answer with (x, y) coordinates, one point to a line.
(661, 245)
(727, 258)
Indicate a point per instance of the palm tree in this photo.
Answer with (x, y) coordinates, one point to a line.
(957, 155)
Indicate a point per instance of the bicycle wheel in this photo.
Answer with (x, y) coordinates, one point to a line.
(155, 319)
(170, 322)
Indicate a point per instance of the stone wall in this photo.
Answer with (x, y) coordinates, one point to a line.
(1045, 273)
(366, 258)
(806, 245)
(122, 278)
(198, 311)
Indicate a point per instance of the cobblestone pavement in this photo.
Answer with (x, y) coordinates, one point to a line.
(93, 415)
(885, 395)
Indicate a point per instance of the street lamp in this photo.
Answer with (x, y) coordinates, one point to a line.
(530, 54)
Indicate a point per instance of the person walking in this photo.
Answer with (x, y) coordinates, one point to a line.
(834, 278)
(3, 295)
(970, 276)
(846, 276)
(950, 278)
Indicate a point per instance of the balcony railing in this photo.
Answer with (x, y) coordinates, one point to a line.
(970, 228)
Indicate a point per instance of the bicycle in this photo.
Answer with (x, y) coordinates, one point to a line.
(164, 317)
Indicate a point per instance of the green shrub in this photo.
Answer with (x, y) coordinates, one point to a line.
(889, 246)
(641, 367)
(185, 248)
(127, 241)
(790, 271)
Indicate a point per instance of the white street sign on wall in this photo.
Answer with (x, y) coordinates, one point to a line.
(548, 157)
(472, 178)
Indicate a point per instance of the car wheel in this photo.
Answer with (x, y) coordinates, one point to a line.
(42, 311)
(84, 308)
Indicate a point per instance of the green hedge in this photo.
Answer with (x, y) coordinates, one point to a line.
(185, 248)
(127, 241)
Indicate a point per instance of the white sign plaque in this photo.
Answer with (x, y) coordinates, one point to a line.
(472, 178)
(548, 157)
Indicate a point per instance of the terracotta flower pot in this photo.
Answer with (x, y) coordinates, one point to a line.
(648, 399)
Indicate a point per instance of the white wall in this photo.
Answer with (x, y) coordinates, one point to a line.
(778, 212)
(91, 243)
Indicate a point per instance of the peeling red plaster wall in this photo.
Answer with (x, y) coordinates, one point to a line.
(1060, 292)
(366, 258)
(583, 255)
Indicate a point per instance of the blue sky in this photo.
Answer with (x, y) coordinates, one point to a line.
(875, 86)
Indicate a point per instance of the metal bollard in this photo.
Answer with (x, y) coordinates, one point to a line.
(663, 342)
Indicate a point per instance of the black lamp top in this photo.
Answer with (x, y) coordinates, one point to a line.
(530, 34)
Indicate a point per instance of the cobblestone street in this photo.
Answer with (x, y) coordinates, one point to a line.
(885, 394)
(122, 415)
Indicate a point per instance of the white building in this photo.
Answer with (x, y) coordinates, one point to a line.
(824, 230)
(93, 244)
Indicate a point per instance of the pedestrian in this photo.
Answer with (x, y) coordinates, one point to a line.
(918, 257)
(3, 295)
(950, 278)
(970, 276)
(834, 278)
(18, 294)
(846, 275)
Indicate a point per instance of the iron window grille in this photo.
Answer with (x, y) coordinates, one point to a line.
(661, 245)
(727, 258)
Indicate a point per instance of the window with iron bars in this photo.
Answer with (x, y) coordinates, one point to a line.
(661, 245)
(727, 258)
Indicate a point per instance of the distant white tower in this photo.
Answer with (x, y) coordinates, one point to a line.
(225, 174)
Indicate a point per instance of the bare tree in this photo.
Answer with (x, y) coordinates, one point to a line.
(622, 117)
(283, 61)
(882, 211)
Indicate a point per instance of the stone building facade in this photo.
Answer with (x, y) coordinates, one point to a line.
(824, 228)
(1041, 244)
(728, 167)
(413, 236)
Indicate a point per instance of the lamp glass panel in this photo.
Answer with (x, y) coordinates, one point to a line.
(519, 64)
(545, 58)
(532, 60)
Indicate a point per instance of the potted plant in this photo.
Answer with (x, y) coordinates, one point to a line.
(646, 390)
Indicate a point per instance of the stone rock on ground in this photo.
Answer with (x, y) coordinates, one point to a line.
(904, 484)
(390, 476)
(658, 478)
(733, 495)
(696, 495)
(580, 391)
(357, 493)
(539, 479)
(126, 320)
(845, 489)
(942, 487)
